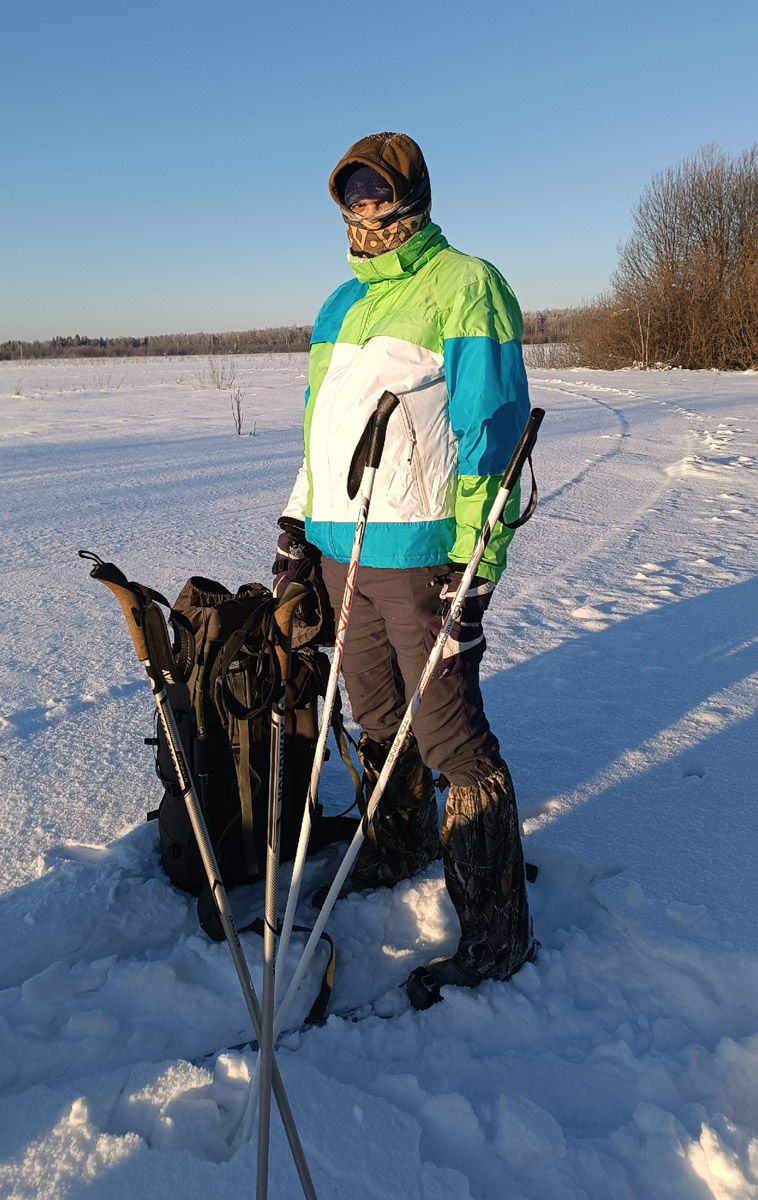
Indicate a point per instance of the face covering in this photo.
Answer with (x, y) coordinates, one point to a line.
(398, 159)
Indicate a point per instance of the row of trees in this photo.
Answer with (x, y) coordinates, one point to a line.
(550, 325)
(289, 338)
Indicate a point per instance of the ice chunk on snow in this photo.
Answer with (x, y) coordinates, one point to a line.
(95, 1023)
(525, 1134)
(452, 1131)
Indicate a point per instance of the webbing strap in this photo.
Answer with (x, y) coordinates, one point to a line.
(151, 594)
(248, 783)
(526, 514)
(320, 1004)
(341, 735)
(260, 623)
(184, 644)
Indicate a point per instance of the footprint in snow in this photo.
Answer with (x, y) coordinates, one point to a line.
(693, 769)
(595, 617)
(657, 585)
(660, 579)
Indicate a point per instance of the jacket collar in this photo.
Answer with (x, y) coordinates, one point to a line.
(403, 262)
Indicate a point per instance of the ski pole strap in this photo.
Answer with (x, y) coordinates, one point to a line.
(344, 740)
(320, 1004)
(135, 600)
(156, 637)
(529, 510)
(521, 455)
(341, 736)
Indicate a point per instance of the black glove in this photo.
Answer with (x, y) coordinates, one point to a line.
(465, 644)
(295, 562)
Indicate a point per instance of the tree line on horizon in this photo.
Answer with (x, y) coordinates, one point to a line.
(545, 326)
(280, 339)
(684, 293)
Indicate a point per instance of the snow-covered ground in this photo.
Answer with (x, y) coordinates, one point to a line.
(621, 678)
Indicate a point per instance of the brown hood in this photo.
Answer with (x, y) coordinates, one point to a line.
(395, 156)
(398, 159)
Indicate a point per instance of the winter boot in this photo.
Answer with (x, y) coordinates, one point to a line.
(404, 834)
(484, 873)
(424, 985)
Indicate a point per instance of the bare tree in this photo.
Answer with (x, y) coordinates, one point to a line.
(685, 291)
(220, 374)
(237, 397)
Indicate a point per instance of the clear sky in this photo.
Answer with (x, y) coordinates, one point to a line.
(164, 164)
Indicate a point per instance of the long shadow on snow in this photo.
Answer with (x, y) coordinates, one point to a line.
(591, 725)
(154, 467)
(188, 450)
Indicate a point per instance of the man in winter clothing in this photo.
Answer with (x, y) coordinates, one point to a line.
(441, 330)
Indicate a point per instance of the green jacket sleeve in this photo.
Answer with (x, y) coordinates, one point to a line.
(489, 407)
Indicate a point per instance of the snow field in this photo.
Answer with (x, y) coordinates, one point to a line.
(621, 679)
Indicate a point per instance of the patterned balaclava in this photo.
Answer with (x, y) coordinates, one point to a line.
(399, 161)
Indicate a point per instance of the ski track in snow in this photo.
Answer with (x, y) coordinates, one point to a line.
(621, 678)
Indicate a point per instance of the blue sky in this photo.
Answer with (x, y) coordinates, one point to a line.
(164, 164)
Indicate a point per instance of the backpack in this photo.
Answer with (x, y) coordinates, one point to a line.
(221, 695)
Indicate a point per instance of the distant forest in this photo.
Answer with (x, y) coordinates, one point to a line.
(550, 325)
(287, 338)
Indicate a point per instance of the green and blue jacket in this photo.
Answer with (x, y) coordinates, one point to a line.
(442, 330)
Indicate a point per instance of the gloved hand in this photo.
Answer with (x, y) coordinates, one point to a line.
(295, 561)
(466, 644)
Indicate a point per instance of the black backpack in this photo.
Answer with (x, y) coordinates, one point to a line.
(221, 695)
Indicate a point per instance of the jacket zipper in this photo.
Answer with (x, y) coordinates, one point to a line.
(414, 460)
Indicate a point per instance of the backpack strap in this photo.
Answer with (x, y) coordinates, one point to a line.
(248, 783)
(183, 648)
(228, 691)
(268, 667)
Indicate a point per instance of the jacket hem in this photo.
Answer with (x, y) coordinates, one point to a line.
(386, 543)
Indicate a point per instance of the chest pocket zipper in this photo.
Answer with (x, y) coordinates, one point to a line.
(414, 458)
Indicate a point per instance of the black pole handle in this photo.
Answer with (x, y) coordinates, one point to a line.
(368, 452)
(523, 449)
(384, 410)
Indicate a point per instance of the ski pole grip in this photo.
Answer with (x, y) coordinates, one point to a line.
(523, 449)
(384, 410)
(284, 616)
(127, 595)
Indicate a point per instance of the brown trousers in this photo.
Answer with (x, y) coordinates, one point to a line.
(382, 663)
(481, 846)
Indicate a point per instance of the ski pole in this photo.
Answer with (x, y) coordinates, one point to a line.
(148, 628)
(513, 471)
(283, 618)
(373, 437)
(375, 433)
